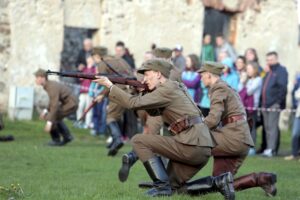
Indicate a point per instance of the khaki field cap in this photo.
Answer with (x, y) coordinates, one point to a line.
(40, 72)
(101, 51)
(156, 65)
(162, 53)
(212, 67)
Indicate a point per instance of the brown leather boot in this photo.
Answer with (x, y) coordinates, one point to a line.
(267, 182)
(264, 180)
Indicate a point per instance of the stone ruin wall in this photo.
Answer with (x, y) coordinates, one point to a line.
(31, 32)
(36, 40)
(273, 28)
(141, 23)
(4, 52)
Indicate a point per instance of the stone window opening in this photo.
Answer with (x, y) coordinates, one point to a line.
(72, 44)
(218, 22)
(221, 19)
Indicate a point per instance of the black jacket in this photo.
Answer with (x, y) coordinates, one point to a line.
(274, 88)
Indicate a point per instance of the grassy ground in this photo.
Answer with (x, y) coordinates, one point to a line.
(81, 170)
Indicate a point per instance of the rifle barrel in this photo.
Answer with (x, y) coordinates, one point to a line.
(113, 78)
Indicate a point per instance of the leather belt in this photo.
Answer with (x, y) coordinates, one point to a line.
(233, 118)
(184, 123)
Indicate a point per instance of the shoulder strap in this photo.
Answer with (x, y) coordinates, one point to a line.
(184, 90)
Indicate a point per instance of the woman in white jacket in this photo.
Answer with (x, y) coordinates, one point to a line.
(296, 130)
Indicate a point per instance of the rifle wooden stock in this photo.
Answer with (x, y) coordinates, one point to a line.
(92, 104)
(113, 78)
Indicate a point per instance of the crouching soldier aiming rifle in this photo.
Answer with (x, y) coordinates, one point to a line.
(190, 146)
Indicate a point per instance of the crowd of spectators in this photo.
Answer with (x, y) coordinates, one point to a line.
(263, 89)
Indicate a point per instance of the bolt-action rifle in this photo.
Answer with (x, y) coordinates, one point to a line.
(131, 81)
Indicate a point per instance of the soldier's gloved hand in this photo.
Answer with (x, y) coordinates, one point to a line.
(102, 80)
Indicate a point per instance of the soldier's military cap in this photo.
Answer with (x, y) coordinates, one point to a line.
(101, 51)
(40, 72)
(162, 52)
(212, 67)
(156, 65)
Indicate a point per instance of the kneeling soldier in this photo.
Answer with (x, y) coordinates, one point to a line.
(190, 146)
(227, 121)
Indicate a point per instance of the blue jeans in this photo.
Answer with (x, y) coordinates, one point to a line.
(99, 116)
(296, 136)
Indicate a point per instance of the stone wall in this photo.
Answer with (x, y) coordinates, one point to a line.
(4, 52)
(273, 28)
(32, 32)
(36, 38)
(82, 14)
(139, 23)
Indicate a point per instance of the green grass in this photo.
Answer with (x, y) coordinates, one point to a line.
(82, 170)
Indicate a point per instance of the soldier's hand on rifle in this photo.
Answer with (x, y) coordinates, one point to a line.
(99, 98)
(141, 89)
(102, 80)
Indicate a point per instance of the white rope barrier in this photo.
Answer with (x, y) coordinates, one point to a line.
(78, 86)
(270, 109)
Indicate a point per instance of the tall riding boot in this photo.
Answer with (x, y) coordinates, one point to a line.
(55, 138)
(65, 132)
(264, 180)
(128, 161)
(149, 184)
(117, 141)
(158, 174)
(222, 184)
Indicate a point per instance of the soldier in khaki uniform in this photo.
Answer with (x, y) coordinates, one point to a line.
(117, 66)
(190, 147)
(153, 124)
(62, 103)
(228, 124)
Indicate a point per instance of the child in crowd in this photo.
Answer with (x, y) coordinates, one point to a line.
(99, 110)
(190, 77)
(84, 99)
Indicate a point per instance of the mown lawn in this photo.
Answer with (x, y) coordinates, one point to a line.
(81, 170)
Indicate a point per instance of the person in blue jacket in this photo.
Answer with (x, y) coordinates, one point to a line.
(273, 96)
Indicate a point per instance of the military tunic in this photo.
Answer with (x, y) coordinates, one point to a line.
(62, 101)
(188, 151)
(115, 111)
(233, 139)
(154, 124)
